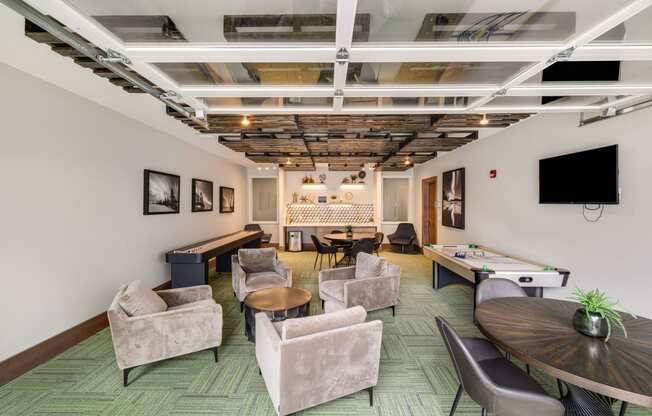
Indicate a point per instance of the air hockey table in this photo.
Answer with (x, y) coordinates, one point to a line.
(470, 264)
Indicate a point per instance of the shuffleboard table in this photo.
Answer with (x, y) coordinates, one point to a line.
(469, 264)
(189, 264)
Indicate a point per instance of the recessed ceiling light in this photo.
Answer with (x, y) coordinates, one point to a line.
(267, 168)
(484, 119)
(259, 168)
(245, 121)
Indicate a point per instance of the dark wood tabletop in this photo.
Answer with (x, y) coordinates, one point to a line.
(278, 299)
(344, 237)
(540, 332)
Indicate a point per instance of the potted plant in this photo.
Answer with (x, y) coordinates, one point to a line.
(597, 316)
(349, 230)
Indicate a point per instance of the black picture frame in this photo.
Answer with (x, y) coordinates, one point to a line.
(453, 197)
(227, 200)
(161, 192)
(202, 195)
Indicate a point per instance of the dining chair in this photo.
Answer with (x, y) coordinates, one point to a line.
(499, 288)
(496, 384)
(363, 245)
(321, 250)
(378, 241)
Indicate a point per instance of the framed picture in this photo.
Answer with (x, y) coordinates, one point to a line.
(452, 207)
(161, 193)
(227, 199)
(202, 195)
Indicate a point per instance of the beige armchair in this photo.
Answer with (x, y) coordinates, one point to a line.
(372, 283)
(308, 361)
(190, 321)
(254, 269)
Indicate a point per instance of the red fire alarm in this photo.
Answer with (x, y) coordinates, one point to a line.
(492, 173)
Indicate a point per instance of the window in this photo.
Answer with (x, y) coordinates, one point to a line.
(263, 199)
(395, 199)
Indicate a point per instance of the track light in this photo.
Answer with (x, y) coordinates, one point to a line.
(288, 162)
(484, 119)
(245, 121)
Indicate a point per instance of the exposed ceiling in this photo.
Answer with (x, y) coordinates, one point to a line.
(361, 81)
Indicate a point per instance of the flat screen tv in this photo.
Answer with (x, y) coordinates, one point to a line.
(588, 177)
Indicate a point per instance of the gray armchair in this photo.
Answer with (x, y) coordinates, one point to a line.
(493, 382)
(254, 269)
(312, 360)
(192, 321)
(372, 283)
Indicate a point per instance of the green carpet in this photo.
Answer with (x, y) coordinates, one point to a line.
(416, 376)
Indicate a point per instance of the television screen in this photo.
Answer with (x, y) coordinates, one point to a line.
(589, 177)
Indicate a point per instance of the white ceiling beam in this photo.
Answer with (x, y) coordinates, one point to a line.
(103, 39)
(269, 110)
(536, 108)
(613, 52)
(257, 91)
(409, 52)
(462, 90)
(579, 88)
(343, 40)
(625, 101)
(262, 52)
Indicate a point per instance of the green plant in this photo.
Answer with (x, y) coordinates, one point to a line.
(349, 229)
(598, 303)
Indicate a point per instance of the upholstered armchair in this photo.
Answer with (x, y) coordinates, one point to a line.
(404, 236)
(372, 283)
(255, 269)
(149, 326)
(308, 361)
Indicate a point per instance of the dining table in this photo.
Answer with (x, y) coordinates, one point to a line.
(540, 333)
(345, 240)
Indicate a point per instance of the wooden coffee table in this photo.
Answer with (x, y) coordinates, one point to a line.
(280, 303)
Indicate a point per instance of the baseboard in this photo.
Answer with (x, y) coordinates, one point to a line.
(32, 357)
(274, 245)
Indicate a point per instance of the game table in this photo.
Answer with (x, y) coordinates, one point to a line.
(469, 264)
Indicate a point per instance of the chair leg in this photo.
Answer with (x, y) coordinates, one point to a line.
(393, 310)
(458, 396)
(215, 351)
(561, 388)
(321, 260)
(527, 368)
(125, 376)
(241, 307)
(483, 412)
(371, 396)
(322, 304)
(508, 356)
(315, 265)
(623, 409)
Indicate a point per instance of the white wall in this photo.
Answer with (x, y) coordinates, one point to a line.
(504, 213)
(71, 221)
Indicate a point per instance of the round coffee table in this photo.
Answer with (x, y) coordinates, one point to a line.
(280, 303)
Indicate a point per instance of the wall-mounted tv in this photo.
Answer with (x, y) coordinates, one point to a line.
(588, 177)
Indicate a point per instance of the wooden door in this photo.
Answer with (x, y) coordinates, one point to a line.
(429, 210)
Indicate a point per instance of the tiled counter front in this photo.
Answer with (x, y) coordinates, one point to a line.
(329, 214)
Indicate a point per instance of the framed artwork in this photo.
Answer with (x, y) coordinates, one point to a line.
(227, 199)
(453, 199)
(202, 195)
(161, 193)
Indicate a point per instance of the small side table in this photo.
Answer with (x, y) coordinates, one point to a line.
(280, 303)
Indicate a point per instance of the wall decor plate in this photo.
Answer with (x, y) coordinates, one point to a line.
(348, 196)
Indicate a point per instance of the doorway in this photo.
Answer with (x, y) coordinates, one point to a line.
(429, 210)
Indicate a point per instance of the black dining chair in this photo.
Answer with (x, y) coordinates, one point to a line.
(363, 245)
(496, 384)
(499, 288)
(378, 241)
(404, 236)
(321, 250)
